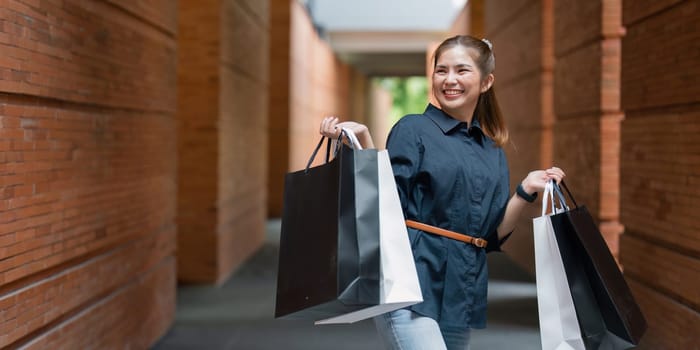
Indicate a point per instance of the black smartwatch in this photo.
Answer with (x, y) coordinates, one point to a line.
(520, 191)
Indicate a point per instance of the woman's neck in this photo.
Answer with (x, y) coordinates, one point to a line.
(463, 114)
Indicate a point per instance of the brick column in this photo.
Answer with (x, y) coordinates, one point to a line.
(521, 32)
(279, 103)
(309, 82)
(587, 106)
(475, 22)
(222, 139)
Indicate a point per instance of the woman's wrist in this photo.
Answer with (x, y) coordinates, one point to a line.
(366, 139)
(527, 187)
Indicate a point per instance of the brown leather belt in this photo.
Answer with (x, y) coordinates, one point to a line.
(479, 242)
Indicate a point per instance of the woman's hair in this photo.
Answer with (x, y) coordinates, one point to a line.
(487, 111)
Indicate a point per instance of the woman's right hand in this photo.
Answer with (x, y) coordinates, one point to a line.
(537, 179)
(330, 127)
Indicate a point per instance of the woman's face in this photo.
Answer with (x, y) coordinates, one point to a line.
(457, 82)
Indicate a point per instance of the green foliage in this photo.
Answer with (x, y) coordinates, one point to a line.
(410, 95)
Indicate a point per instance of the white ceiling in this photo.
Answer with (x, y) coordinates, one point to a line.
(384, 37)
(384, 15)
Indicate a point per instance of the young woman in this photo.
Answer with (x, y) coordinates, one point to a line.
(451, 172)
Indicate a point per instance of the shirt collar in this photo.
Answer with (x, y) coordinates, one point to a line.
(447, 123)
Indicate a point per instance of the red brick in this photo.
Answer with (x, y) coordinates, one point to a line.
(225, 57)
(120, 320)
(673, 273)
(71, 289)
(659, 166)
(676, 45)
(654, 202)
(87, 124)
(577, 23)
(671, 325)
(639, 9)
(517, 38)
(577, 82)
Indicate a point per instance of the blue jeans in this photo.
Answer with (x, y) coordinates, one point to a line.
(406, 330)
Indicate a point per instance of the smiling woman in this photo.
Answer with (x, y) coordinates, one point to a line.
(463, 83)
(457, 83)
(452, 174)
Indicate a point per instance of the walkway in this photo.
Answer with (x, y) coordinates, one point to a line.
(238, 314)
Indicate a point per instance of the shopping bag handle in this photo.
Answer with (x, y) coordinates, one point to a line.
(560, 195)
(343, 133)
(562, 183)
(547, 195)
(352, 138)
(552, 192)
(313, 155)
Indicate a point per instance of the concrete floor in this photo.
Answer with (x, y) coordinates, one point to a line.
(239, 313)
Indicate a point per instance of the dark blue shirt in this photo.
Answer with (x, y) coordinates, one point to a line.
(450, 175)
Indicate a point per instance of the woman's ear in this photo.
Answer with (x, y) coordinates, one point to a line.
(487, 83)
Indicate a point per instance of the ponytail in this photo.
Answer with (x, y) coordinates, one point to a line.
(488, 113)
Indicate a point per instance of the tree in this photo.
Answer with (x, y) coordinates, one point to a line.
(410, 95)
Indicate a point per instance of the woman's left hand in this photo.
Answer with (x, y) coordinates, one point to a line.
(536, 180)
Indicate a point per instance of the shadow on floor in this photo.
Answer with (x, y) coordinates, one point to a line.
(239, 313)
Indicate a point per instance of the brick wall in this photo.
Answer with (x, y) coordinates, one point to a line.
(308, 83)
(521, 33)
(620, 80)
(587, 106)
(198, 109)
(319, 86)
(87, 173)
(278, 110)
(222, 138)
(243, 131)
(581, 90)
(660, 167)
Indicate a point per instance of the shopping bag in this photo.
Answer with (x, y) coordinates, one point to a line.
(559, 328)
(351, 206)
(399, 286)
(608, 315)
(329, 244)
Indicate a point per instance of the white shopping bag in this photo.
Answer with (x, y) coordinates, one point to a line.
(399, 286)
(399, 278)
(559, 328)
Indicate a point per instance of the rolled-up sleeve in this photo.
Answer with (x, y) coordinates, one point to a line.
(500, 203)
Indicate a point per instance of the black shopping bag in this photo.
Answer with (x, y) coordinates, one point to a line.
(329, 261)
(608, 315)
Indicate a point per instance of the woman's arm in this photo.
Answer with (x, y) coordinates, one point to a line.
(534, 182)
(330, 127)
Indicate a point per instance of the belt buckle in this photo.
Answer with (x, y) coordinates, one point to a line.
(480, 242)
